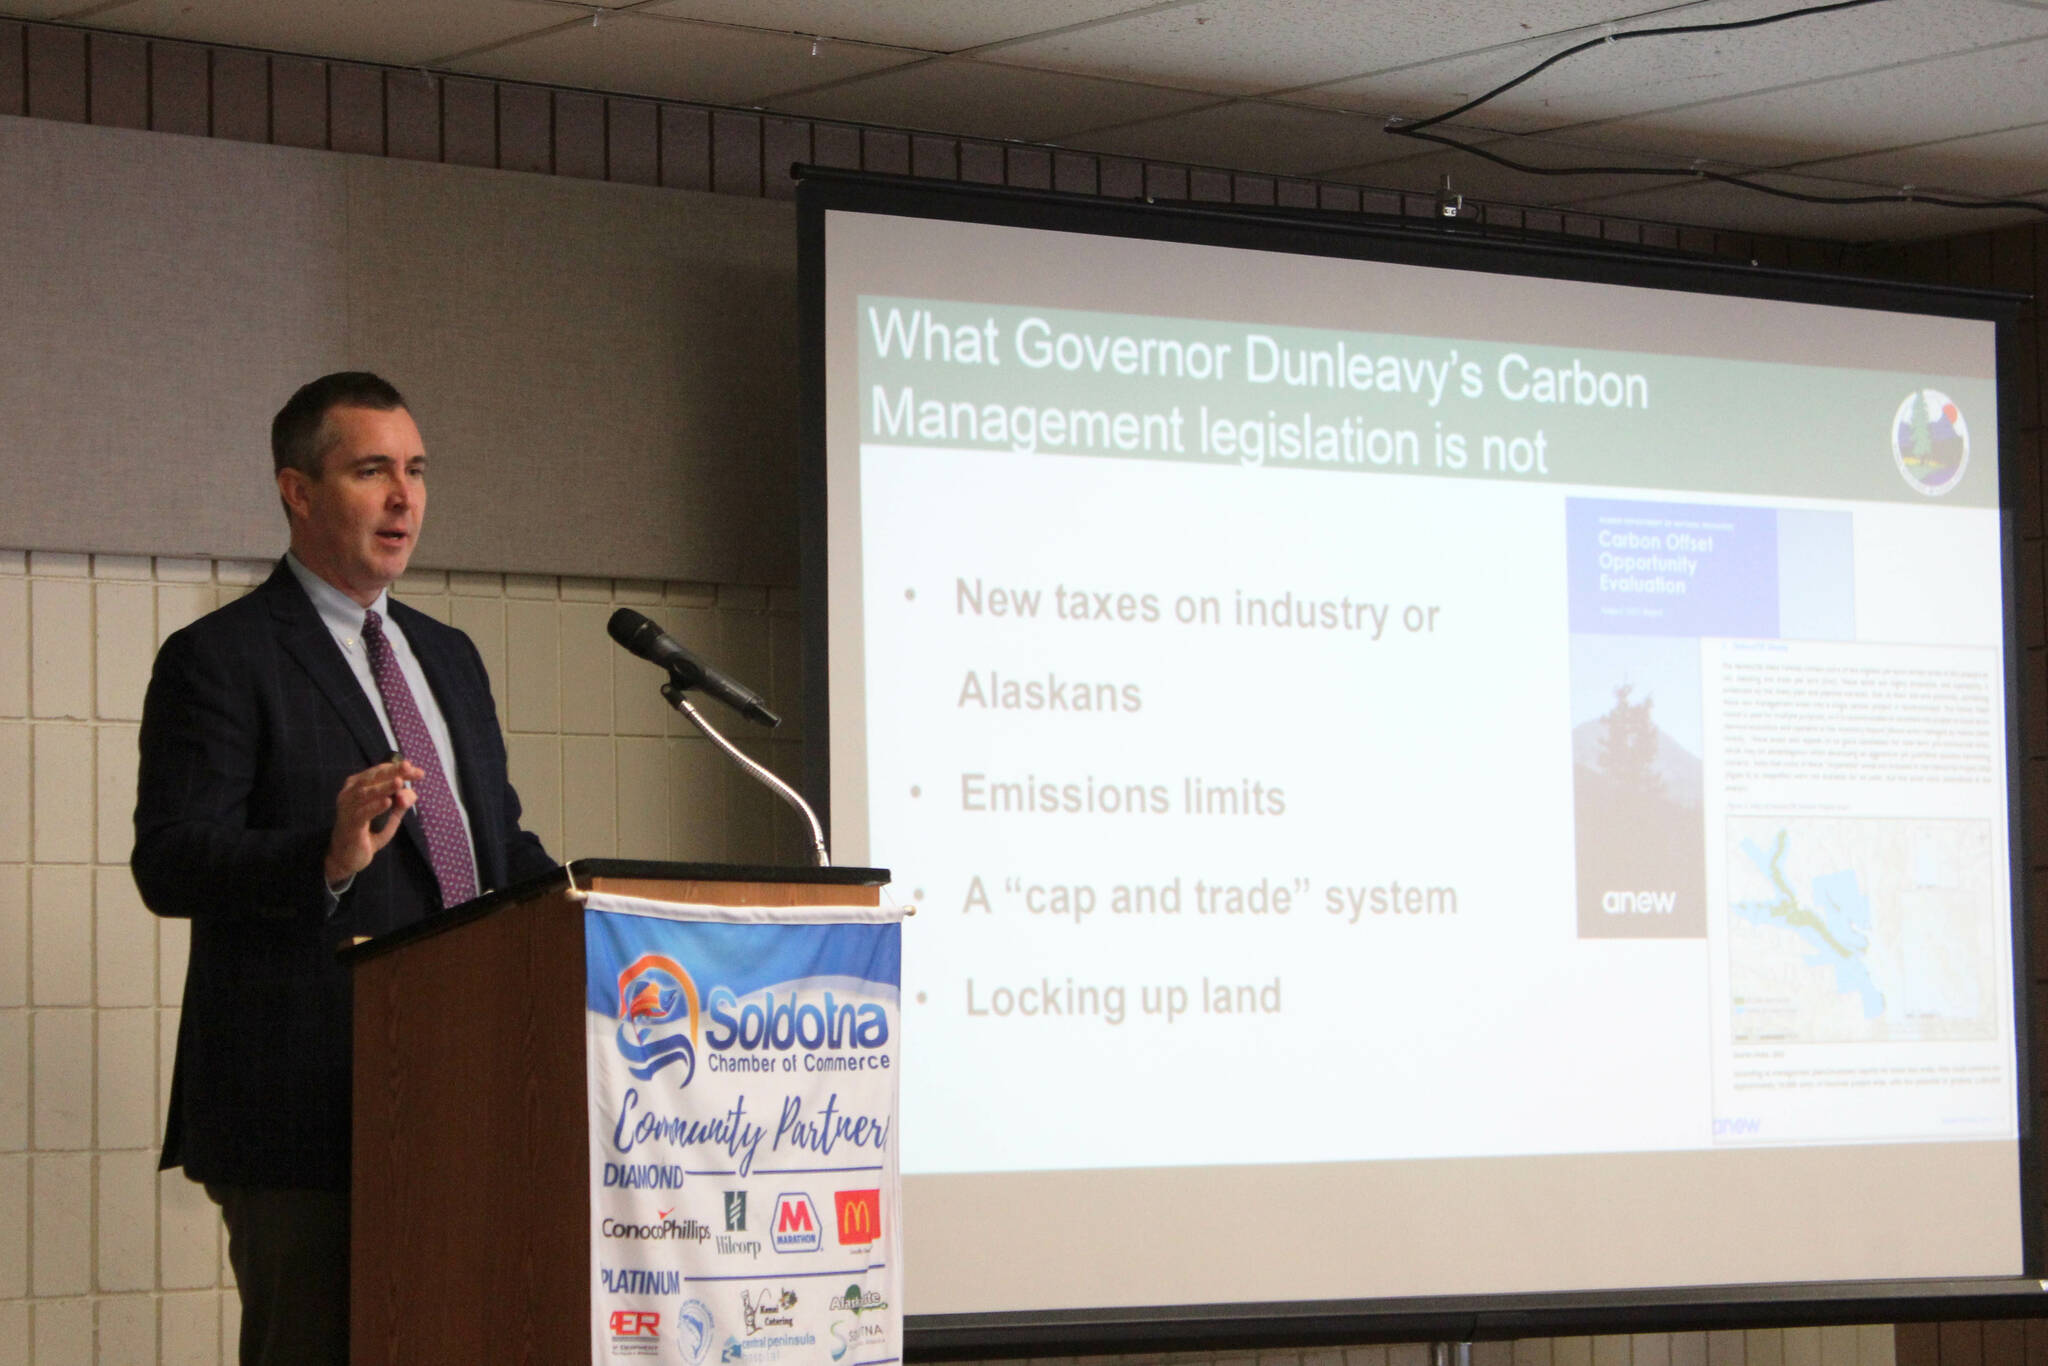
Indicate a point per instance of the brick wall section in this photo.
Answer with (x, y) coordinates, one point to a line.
(102, 1259)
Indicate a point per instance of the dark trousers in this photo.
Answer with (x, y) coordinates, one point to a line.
(289, 1249)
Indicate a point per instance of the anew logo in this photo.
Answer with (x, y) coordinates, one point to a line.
(1639, 903)
(657, 1017)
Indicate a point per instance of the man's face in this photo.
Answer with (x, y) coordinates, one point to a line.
(356, 524)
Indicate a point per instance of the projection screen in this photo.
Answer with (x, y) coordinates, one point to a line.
(1429, 770)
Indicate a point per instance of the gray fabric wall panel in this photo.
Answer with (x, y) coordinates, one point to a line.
(160, 298)
(605, 375)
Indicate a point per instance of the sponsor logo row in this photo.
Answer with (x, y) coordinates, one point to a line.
(794, 1226)
(768, 1326)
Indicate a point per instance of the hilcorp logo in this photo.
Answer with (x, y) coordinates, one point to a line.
(761, 1021)
(657, 1017)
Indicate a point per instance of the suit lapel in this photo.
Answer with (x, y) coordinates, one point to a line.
(305, 638)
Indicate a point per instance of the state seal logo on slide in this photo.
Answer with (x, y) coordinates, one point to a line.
(657, 1017)
(1930, 442)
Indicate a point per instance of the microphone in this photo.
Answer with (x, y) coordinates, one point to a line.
(685, 670)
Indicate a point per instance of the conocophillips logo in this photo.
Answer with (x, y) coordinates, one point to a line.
(657, 1017)
(1930, 442)
(662, 1230)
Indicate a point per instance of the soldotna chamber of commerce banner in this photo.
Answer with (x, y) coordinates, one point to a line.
(743, 1180)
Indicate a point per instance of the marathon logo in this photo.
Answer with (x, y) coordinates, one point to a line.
(796, 1226)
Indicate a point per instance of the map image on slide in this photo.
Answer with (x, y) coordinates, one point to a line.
(1860, 931)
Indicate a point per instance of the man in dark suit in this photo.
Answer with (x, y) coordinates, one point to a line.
(274, 812)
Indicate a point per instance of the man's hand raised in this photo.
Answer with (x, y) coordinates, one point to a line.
(382, 789)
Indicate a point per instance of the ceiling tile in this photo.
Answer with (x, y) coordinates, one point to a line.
(1419, 168)
(1951, 94)
(1276, 139)
(1733, 208)
(1431, 88)
(1639, 196)
(400, 32)
(1247, 46)
(934, 25)
(1949, 97)
(1993, 165)
(988, 99)
(678, 60)
(1658, 73)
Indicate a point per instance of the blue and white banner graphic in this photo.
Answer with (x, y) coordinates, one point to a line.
(744, 1201)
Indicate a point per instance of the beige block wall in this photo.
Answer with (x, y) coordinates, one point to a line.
(103, 1259)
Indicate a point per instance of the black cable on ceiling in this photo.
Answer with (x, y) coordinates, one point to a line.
(1415, 128)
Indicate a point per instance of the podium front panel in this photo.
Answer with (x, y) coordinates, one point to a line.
(479, 1175)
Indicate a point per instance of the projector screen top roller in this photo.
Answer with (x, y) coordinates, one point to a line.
(1420, 783)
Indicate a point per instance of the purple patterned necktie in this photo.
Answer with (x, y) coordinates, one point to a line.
(447, 841)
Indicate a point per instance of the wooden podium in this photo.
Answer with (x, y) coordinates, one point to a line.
(470, 1238)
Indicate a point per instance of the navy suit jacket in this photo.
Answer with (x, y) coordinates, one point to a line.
(252, 721)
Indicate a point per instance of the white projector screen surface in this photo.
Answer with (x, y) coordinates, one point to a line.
(1418, 782)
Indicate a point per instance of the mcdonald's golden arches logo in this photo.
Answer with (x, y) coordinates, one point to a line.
(860, 1217)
